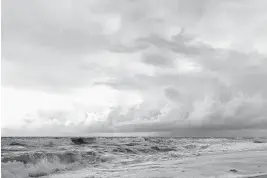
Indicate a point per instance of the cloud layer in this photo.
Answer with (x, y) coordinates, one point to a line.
(182, 68)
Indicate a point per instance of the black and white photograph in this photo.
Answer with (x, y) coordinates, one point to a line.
(134, 88)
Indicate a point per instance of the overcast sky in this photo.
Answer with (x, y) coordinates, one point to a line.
(134, 67)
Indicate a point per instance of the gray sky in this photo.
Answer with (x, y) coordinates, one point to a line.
(134, 67)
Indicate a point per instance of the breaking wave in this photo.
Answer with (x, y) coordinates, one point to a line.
(65, 157)
(37, 164)
(36, 157)
(16, 169)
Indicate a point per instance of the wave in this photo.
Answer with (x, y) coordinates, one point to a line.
(155, 146)
(36, 157)
(37, 164)
(35, 141)
(148, 149)
(44, 167)
(12, 148)
(16, 144)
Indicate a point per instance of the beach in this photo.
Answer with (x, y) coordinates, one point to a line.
(132, 157)
(248, 164)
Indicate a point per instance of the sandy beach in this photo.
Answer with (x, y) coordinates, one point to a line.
(244, 164)
(131, 157)
(259, 176)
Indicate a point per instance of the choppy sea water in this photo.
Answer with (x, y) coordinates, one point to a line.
(46, 157)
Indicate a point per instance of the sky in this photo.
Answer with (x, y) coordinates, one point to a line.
(134, 68)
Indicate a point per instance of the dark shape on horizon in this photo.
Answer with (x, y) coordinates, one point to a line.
(233, 170)
(80, 140)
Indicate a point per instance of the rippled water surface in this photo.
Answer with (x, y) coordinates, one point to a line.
(37, 157)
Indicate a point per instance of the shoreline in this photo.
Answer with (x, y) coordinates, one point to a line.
(257, 176)
(248, 164)
(260, 176)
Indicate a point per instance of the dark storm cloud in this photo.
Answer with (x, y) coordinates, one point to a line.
(198, 66)
(226, 76)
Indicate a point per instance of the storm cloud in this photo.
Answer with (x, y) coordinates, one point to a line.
(165, 67)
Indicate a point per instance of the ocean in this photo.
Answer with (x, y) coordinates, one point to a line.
(104, 156)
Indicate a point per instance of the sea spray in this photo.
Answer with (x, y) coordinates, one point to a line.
(36, 157)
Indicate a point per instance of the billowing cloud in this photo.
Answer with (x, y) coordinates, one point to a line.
(174, 67)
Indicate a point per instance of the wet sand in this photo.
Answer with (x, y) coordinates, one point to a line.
(259, 176)
(245, 164)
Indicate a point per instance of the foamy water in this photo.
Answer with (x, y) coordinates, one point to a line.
(56, 157)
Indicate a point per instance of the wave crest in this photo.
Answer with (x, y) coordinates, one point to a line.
(38, 164)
